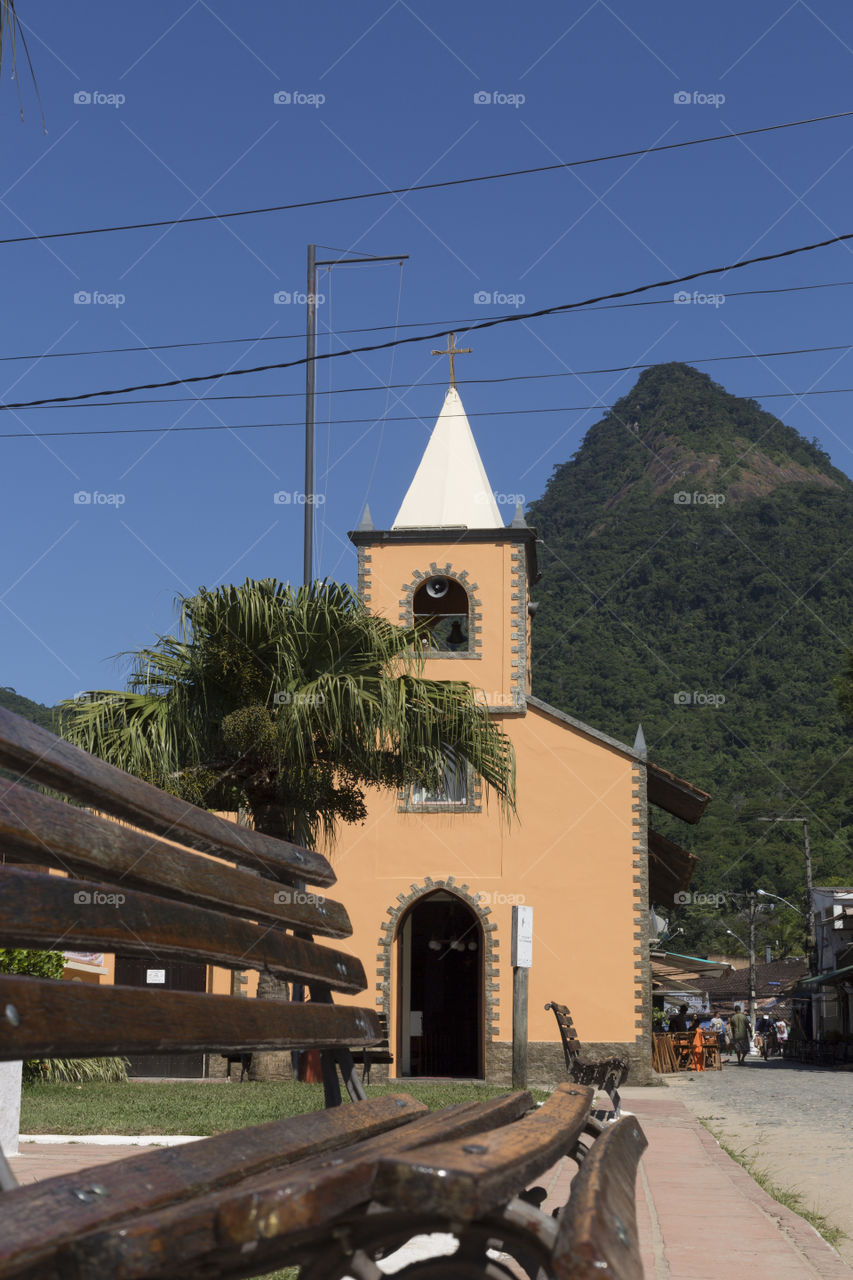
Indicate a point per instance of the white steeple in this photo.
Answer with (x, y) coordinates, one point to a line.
(451, 489)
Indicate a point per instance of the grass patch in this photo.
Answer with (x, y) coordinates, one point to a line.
(792, 1200)
(203, 1109)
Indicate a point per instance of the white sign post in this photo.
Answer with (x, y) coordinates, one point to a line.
(10, 1106)
(522, 959)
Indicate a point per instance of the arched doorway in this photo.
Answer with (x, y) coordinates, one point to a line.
(440, 989)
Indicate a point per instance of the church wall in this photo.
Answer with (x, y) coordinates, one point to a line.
(570, 854)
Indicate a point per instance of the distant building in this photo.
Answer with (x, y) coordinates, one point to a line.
(831, 989)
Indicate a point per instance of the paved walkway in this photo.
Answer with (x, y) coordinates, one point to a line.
(695, 1206)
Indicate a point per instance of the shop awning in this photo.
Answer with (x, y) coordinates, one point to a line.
(670, 869)
(675, 794)
(832, 975)
(670, 965)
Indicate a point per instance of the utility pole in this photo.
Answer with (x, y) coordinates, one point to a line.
(753, 911)
(811, 934)
(310, 361)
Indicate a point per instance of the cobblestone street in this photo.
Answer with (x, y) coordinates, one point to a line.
(796, 1120)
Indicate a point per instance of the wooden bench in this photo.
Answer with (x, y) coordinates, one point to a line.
(380, 1053)
(606, 1074)
(329, 1192)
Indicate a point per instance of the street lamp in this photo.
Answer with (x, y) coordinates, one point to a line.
(765, 893)
(750, 950)
(811, 944)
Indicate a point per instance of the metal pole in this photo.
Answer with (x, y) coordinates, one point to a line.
(810, 920)
(310, 345)
(752, 913)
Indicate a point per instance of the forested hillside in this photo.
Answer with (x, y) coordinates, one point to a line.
(696, 577)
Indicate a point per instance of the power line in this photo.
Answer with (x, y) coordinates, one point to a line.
(344, 422)
(442, 333)
(461, 382)
(383, 328)
(425, 186)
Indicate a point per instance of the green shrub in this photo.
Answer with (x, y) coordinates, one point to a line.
(31, 964)
(76, 1070)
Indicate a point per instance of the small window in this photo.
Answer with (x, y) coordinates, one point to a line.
(441, 605)
(453, 789)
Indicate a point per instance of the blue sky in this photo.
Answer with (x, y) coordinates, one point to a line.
(182, 119)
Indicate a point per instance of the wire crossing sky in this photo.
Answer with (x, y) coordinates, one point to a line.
(586, 152)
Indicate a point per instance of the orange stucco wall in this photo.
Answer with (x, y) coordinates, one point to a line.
(568, 854)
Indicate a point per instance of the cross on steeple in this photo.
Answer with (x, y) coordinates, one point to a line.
(453, 350)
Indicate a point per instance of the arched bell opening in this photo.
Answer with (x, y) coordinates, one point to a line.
(442, 607)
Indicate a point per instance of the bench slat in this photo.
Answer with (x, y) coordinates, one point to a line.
(39, 756)
(597, 1233)
(40, 1018)
(41, 1219)
(265, 1218)
(36, 909)
(466, 1180)
(48, 832)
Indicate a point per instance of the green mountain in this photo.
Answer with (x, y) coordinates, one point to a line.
(696, 578)
(35, 711)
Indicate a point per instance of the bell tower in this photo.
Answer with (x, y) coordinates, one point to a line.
(449, 562)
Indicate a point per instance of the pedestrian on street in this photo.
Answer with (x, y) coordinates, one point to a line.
(741, 1032)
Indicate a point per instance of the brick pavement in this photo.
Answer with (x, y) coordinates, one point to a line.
(699, 1213)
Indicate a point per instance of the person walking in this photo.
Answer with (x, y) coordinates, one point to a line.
(741, 1032)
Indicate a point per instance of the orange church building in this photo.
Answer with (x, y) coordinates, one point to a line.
(430, 879)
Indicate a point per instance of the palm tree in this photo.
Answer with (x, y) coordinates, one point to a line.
(292, 702)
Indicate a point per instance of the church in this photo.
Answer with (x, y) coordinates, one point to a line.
(431, 878)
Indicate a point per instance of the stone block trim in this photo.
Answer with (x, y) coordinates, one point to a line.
(491, 949)
(642, 929)
(518, 624)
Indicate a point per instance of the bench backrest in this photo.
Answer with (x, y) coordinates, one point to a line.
(568, 1034)
(178, 883)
